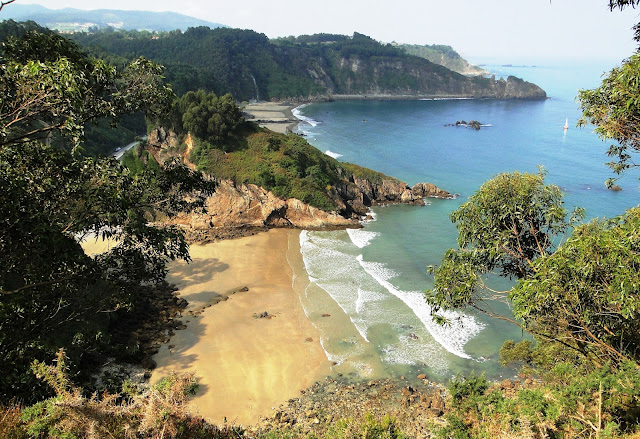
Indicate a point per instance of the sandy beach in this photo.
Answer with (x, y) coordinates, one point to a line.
(245, 365)
(272, 115)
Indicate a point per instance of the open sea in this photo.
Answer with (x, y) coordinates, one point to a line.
(371, 280)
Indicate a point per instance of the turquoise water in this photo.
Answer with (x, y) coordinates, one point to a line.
(376, 275)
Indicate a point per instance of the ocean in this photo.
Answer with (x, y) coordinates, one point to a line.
(365, 288)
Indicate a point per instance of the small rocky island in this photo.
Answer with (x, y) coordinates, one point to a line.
(471, 124)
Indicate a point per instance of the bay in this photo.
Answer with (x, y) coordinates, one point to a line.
(374, 278)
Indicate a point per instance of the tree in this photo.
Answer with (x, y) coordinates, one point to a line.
(587, 293)
(5, 3)
(48, 86)
(52, 294)
(211, 118)
(510, 222)
(614, 108)
(583, 295)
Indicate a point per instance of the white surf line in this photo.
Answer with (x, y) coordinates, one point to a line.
(415, 301)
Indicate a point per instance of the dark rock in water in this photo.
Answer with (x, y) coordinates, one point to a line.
(462, 123)
(474, 124)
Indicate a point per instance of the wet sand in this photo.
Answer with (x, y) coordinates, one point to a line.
(245, 365)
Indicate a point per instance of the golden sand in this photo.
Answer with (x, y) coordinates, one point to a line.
(245, 365)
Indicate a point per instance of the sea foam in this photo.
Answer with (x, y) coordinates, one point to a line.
(452, 337)
(361, 238)
(298, 115)
(330, 153)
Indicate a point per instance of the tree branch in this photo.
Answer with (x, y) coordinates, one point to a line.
(39, 284)
(4, 3)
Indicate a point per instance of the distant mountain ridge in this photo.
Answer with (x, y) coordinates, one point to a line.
(74, 20)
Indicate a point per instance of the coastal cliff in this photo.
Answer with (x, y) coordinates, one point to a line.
(307, 68)
(240, 206)
(445, 56)
(239, 209)
(412, 78)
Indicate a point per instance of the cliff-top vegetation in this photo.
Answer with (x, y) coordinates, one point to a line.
(251, 67)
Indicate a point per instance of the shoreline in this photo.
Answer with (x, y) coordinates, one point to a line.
(278, 116)
(275, 116)
(247, 337)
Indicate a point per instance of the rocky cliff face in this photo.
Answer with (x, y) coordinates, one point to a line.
(235, 208)
(413, 77)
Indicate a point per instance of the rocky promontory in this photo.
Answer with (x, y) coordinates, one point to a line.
(240, 208)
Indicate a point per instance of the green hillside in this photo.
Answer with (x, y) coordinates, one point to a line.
(311, 67)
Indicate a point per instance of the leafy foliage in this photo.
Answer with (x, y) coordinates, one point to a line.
(511, 221)
(158, 411)
(568, 401)
(614, 108)
(52, 294)
(588, 292)
(216, 120)
(47, 85)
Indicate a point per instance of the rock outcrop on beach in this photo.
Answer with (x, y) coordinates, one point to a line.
(418, 407)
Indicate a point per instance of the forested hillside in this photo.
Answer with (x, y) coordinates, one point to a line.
(250, 66)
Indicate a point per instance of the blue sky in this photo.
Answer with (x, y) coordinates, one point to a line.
(505, 30)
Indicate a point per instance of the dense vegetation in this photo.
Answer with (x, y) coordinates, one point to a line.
(284, 164)
(249, 66)
(99, 137)
(52, 294)
(579, 298)
(577, 292)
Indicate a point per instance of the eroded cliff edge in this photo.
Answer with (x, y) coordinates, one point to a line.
(237, 209)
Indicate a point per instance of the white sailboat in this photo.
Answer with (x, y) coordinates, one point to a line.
(566, 124)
